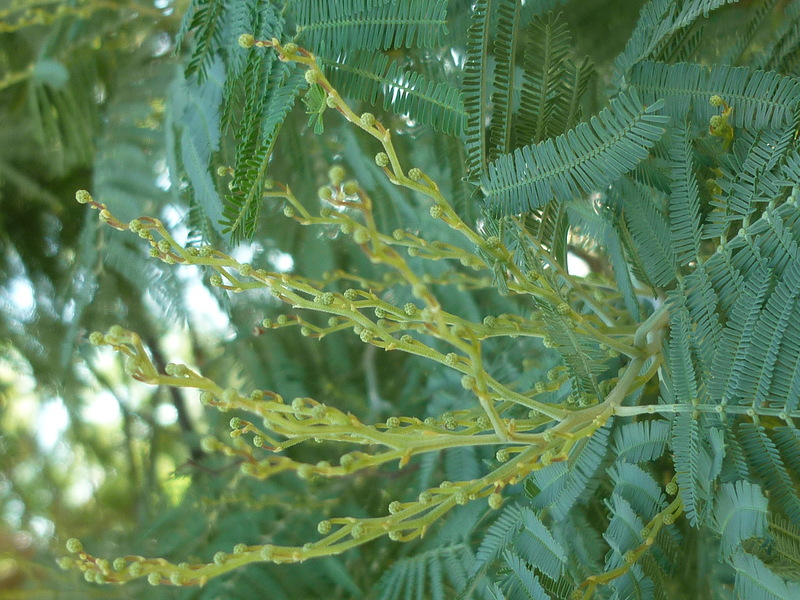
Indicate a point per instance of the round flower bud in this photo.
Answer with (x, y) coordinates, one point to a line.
(96, 338)
(672, 488)
(235, 423)
(215, 280)
(414, 174)
(548, 342)
(240, 548)
(410, 309)
(290, 48)
(398, 234)
(153, 578)
(361, 235)
(88, 576)
(246, 270)
(176, 578)
(324, 527)
(282, 320)
(65, 563)
(425, 497)
(325, 193)
(540, 387)
(346, 461)
(258, 441)
(563, 309)
(311, 77)
(461, 497)
(380, 313)
(289, 211)
(451, 359)
(366, 335)
(350, 294)
(367, 119)
(393, 422)
(381, 159)
(350, 187)
(502, 455)
(331, 102)
(336, 174)
(395, 536)
(135, 569)
(267, 552)
(358, 531)
(489, 321)
(407, 339)
(482, 422)
(716, 100)
(436, 211)
(220, 558)
(83, 197)
(495, 501)
(716, 121)
(319, 411)
(74, 545)
(468, 382)
(247, 40)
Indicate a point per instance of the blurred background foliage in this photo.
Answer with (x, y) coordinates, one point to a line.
(90, 98)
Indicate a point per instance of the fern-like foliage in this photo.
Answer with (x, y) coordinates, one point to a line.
(588, 157)
(762, 98)
(416, 23)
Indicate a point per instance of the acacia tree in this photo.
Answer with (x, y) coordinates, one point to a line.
(626, 423)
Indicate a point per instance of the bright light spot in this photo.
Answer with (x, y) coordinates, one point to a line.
(52, 423)
(101, 409)
(20, 292)
(69, 311)
(282, 261)
(204, 309)
(577, 266)
(42, 527)
(165, 414)
(161, 3)
(245, 253)
(163, 182)
(87, 480)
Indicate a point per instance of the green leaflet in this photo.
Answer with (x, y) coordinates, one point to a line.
(505, 42)
(586, 158)
(640, 442)
(476, 86)
(766, 461)
(755, 581)
(240, 214)
(759, 98)
(415, 23)
(660, 23)
(545, 81)
(684, 201)
(313, 11)
(740, 513)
